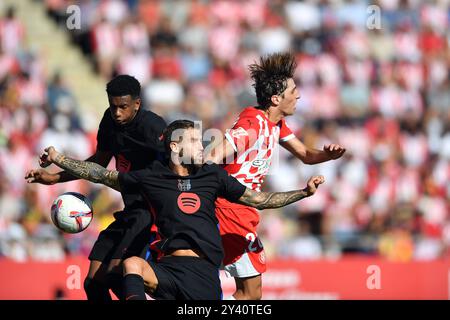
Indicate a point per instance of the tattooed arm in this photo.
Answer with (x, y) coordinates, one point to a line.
(265, 200)
(90, 171)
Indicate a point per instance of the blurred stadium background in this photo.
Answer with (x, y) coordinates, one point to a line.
(383, 93)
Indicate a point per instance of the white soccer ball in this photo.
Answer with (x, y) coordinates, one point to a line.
(71, 212)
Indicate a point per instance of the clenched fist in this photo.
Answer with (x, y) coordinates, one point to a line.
(334, 151)
(313, 184)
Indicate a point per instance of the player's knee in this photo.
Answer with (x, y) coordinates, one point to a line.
(132, 265)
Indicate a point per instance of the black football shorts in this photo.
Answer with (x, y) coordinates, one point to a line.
(128, 235)
(186, 278)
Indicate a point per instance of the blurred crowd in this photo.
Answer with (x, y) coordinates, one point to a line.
(37, 109)
(375, 79)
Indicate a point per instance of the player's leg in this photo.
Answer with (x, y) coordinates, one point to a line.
(195, 278)
(95, 285)
(114, 277)
(244, 257)
(248, 288)
(138, 276)
(134, 236)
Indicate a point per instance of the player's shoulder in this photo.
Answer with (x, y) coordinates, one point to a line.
(282, 123)
(248, 118)
(250, 111)
(210, 166)
(156, 168)
(149, 117)
(106, 116)
(106, 122)
(149, 123)
(213, 168)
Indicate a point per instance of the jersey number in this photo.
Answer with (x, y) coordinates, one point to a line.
(252, 238)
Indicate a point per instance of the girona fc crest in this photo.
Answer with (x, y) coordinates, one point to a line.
(262, 257)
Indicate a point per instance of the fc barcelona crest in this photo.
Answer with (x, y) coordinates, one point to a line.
(184, 185)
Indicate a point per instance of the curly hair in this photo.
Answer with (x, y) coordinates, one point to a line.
(270, 76)
(123, 85)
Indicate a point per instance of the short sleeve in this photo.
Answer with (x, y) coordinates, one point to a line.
(285, 132)
(132, 180)
(102, 134)
(230, 188)
(243, 134)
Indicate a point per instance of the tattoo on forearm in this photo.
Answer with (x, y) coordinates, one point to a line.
(89, 171)
(266, 200)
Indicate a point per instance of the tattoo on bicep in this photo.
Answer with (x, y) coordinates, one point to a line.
(89, 171)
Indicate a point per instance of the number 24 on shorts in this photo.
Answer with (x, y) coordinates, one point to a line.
(252, 246)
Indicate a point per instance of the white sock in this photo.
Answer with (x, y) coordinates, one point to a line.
(229, 298)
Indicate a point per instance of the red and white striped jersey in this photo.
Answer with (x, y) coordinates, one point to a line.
(254, 137)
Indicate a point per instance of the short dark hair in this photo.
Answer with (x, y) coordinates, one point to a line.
(270, 76)
(124, 85)
(175, 125)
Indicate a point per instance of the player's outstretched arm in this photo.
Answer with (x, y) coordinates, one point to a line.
(266, 200)
(44, 177)
(310, 155)
(90, 171)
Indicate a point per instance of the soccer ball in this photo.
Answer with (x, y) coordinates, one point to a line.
(71, 212)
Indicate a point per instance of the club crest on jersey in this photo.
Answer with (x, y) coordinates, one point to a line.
(262, 257)
(184, 185)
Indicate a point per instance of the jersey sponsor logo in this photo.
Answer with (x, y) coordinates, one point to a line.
(258, 162)
(238, 132)
(122, 164)
(188, 202)
(184, 185)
